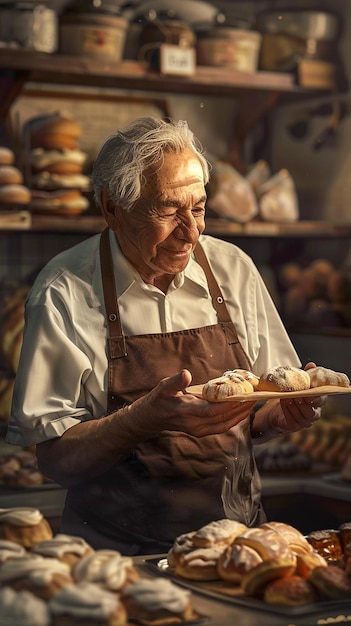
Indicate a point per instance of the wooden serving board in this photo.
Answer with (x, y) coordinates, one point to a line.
(328, 390)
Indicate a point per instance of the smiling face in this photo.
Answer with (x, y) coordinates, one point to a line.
(160, 233)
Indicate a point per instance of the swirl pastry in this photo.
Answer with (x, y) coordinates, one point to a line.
(88, 604)
(158, 602)
(107, 568)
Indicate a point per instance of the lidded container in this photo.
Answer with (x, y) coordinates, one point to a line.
(29, 25)
(96, 29)
(225, 46)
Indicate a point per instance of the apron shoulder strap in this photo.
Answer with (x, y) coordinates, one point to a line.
(216, 295)
(116, 340)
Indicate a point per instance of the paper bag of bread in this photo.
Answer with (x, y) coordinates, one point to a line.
(277, 199)
(230, 194)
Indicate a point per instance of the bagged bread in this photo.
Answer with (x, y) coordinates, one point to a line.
(277, 199)
(230, 194)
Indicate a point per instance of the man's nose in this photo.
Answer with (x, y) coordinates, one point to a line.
(187, 228)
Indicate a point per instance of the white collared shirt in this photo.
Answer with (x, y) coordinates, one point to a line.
(62, 374)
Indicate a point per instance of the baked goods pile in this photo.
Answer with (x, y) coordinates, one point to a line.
(56, 165)
(273, 562)
(281, 378)
(13, 193)
(327, 442)
(12, 298)
(314, 295)
(282, 457)
(20, 469)
(50, 580)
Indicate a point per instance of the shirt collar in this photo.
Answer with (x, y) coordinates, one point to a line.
(127, 275)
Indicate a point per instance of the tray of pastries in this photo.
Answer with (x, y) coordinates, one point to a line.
(48, 579)
(277, 382)
(272, 568)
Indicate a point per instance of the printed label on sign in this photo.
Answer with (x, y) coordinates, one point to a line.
(177, 61)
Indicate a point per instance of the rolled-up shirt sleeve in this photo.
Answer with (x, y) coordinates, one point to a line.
(51, 394)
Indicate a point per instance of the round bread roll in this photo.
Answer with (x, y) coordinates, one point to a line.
(7, 156)
(218, 532)
(58, 161)
(320, 376)
(255, 581)
(284, 378)
(225, 386)
(10, 175)
(14, 194)
(58, 202)
(332, 582)
(290, 591)
(53, 132)
(45, 180)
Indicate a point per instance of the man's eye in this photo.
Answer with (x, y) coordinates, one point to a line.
(198, 210)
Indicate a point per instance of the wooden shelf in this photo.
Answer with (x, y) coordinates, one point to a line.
(20, 66)
(217, 227)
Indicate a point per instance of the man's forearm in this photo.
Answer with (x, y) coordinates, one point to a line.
(91, 448)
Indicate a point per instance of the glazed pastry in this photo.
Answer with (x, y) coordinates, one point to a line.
(200, 563)
(22, 608)
(255, 581)
(86, 604)
(26, 526)
(43, 577)
(66, 548)
(284, 378)
(305, 563)
(290, 591)
(236, 561)
(182, 545)
(107, 568)
(10, 550)
(157, 602)
(267, 543)
(294, 538)
(327, 543)
(218, 532)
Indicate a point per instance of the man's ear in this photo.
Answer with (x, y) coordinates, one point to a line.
(109, 210)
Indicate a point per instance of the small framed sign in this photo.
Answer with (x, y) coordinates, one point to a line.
(177, 60)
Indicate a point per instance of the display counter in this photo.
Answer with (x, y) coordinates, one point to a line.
(222, 612)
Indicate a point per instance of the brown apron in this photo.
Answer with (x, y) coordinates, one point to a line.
(172, 483)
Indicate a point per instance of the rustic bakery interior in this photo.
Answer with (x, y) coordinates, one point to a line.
(265, 88)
